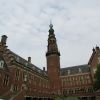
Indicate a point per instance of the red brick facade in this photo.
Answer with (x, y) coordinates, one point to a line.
(20, 79)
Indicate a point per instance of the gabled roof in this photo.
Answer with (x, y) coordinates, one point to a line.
(27, 64)
(74, 70)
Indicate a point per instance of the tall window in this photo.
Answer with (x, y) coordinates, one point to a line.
(25, 77)
(29, 77)
(15, 88)
(6, 80)
(17, 74)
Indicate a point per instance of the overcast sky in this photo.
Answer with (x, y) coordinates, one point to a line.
(76, 24)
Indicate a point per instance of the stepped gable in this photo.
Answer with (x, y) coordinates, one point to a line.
(75, 70)
(27, 64)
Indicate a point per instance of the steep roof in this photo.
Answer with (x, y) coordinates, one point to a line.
(74, 70)
(27, 64)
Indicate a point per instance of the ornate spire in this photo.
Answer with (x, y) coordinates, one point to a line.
(52, 47)
(51, 30)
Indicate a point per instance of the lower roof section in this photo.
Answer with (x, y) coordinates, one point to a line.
(75, 70)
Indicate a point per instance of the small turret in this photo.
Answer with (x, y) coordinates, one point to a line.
(3, 39)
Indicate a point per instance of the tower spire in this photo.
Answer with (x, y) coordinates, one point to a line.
(51, 30)
(53, 60)
(51, 25)
(52, 44)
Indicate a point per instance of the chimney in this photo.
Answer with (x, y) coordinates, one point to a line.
(4, 39)
(29, 59)
(93, 50)
(43, 68)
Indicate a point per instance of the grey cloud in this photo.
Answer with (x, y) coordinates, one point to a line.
(76, 24)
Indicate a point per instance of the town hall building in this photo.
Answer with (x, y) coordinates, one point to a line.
(22, 80)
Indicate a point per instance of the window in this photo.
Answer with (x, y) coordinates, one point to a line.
(17, 74)
(11, 88)
(94, 70)
(17, 58)
(24, 87)
(25, 77)
(15, 88)
(80, 70)
(6, 80)
(90, 90)
(40, 82)
(68, 72)
(29, 78)
(1, 64)
(26, 64)
(81, 79)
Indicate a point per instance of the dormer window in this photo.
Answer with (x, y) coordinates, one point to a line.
(68, 72)
(1, 63)
(17, 58)
(80, 70)
(26, 64)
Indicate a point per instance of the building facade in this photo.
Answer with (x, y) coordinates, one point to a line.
(22, 80)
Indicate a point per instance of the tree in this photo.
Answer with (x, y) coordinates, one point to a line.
(97, 78)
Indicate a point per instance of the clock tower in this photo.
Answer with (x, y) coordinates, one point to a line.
(53, 61)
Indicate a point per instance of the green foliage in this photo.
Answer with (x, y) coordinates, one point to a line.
(97, 78)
